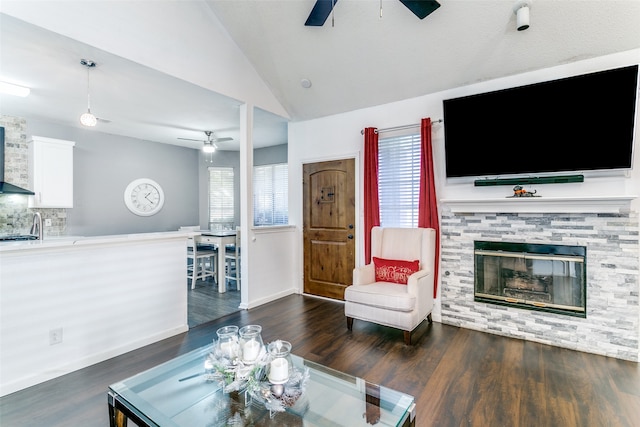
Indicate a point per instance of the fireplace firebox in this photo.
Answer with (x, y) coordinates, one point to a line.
(540, 277)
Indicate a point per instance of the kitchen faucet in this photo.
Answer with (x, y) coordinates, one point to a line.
(36, 227)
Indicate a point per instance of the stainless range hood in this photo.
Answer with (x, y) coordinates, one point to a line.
(5, 187)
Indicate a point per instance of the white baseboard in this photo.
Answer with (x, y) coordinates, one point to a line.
(273, 297)
(40, 377)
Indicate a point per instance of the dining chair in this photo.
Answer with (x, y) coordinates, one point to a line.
(201, 260)
(232, 257)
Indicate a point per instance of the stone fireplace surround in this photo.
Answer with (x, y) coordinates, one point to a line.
(611, 327)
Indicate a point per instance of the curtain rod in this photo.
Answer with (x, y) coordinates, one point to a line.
(401, 127)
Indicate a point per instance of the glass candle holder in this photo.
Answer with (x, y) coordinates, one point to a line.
(281, 366)
(228, 344)
(251, 343)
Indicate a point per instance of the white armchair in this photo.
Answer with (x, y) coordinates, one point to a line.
(392, 304)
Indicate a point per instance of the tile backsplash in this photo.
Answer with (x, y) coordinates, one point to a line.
(15, 215)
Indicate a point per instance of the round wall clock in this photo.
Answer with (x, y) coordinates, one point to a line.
(144, 197)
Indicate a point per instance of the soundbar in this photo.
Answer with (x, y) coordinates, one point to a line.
(560, 179)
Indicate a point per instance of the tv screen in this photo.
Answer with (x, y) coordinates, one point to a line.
(579, 123)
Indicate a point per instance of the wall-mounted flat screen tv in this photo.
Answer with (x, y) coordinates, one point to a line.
(579, 123)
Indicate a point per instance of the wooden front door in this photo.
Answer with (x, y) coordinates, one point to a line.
(329, 227)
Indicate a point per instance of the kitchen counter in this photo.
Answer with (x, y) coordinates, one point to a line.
(66, 241)
(102, 296)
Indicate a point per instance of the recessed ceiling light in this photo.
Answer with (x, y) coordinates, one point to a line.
(305, 83)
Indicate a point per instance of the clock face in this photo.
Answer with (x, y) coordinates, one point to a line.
(144, 197)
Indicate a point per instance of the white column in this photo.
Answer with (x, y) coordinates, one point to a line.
(246, 205)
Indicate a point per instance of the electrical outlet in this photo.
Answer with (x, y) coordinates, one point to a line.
(55, 336)
(47, 222)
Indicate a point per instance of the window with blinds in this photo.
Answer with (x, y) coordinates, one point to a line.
(270, 195)
(399, 180)
(221, 212)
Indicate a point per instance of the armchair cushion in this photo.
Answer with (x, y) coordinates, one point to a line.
(394, 271)
(389, 296)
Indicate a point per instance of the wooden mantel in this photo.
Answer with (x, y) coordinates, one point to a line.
(586, 204)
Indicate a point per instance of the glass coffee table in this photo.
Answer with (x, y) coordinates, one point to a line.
(176, 393)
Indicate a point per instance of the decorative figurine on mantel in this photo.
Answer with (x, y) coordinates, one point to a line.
(520, 191)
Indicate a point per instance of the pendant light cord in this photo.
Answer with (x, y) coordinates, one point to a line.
(89, 64)
(88, 89)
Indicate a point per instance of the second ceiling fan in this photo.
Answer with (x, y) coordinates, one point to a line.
(210, 143)
(322, 9)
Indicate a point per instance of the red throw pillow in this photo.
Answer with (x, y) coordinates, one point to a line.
(394, 271)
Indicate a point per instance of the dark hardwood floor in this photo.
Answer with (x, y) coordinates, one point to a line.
(207, 304)
(459, 377)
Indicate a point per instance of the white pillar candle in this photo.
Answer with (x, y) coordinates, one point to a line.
(279, 370)
(228, 349)
(251, 351)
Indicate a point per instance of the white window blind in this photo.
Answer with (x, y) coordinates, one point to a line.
(399, 180)
(270, 194)
(221, 203)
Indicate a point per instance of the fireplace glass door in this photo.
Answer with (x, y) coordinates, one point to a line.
(533, 276)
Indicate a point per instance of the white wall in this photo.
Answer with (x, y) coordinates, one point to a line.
(270, 273)
(339, 136)
(103, 311)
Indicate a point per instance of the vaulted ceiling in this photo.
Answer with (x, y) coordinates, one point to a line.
(355, 60)
(363, 60)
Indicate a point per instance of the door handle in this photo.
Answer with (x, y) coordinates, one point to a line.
(351, 226)
(349, 236)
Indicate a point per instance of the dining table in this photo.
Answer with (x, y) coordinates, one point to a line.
(219, 239)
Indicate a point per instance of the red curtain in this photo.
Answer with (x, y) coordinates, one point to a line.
(371, 204)
(428, 202)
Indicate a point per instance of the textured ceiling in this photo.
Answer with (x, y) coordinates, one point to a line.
(364, 60)
(361, 60)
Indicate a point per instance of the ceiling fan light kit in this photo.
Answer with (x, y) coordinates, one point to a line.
(208, 147)
(88, 119)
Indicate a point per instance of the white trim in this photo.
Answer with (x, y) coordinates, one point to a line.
(600, 204)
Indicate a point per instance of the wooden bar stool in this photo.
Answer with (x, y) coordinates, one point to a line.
(201, 260)
(232, 258)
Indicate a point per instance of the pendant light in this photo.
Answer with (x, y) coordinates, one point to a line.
(88, 119)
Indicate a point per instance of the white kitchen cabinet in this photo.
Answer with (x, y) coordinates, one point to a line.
(51, 172)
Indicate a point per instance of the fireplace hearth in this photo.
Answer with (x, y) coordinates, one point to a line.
(540, 277)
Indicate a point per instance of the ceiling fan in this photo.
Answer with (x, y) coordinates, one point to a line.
(210, 143)
(322, 9)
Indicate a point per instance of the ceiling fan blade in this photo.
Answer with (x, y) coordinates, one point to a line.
(320, 13)
(421, 8)
(100, 119)
(223, 139)
(190, 139)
